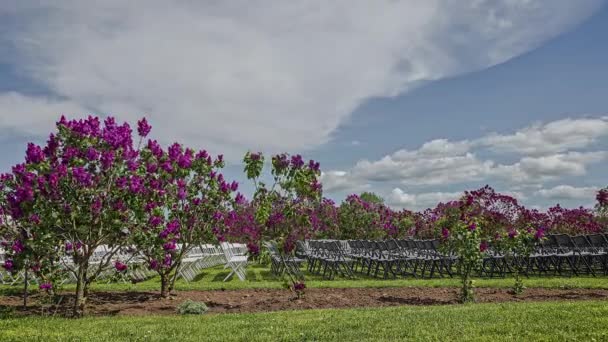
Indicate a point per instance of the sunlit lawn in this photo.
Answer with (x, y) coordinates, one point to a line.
(260, 277)
(548, 321)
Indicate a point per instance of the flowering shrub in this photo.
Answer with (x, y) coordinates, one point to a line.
(66, 200)
(180, 198)
(360, 219)
(517, 245)
(462, 235)
(601, 207)
(283, 210)
(572, 221)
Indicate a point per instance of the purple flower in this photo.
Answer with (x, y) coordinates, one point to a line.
(253, 249)
(297, 162)
(96, 207)
(8, 265)
(18, 247)
(151, 168)
(155, 221)
(82, 176)
(120, 206)
(299, 286)
(483, 246)
(181, 194)
(167, 260)
(602, 197)
(315, 166)
(155, 148)
(513, 233)
(167, 166)
(68, 246)
(184, 161)
(170, 246)
(143, 128)
(136, 185)
(35, 219)
(445, 233)
(202, 155)
(540, 233)
(120, 267)
(473, 227)
(175, 151)
(107, 159)
(34, 154)
(234, 186)
(46, 286)
(255, 156)
(239, 199)
(92, 154)
(132, 165)
(122, 182)
(173, 226)
(153, 264)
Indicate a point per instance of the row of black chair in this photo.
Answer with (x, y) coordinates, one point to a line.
(557, 255)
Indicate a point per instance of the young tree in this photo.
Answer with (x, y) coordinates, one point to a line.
(68, 198)
(461, 234)
(181, 200)
(283, 210)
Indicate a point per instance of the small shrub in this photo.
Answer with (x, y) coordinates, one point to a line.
(190, 307)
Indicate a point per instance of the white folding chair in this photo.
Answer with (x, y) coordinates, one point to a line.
(236, 262)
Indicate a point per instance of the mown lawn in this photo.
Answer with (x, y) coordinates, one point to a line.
(548, 321)
(260, 277)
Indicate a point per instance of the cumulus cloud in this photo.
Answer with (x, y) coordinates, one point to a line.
(341, 181)
(419, 201)
(33, 115)
(553, 137)
(440, 163)
(237, 75)
(561, 192)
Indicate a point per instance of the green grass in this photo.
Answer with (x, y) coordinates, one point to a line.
(260, 277)
(549, 321)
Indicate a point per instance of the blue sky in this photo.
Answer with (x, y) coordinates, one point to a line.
(414, 100)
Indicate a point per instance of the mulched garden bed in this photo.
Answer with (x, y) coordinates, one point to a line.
(262, 300)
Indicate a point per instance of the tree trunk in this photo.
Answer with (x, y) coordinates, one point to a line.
(81, 290)
(25, 284)
(165, 289)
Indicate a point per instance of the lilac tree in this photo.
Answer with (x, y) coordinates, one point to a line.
(283, 209)
(181, 199)
(68, 199)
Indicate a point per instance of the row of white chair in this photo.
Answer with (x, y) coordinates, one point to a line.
(197, 259)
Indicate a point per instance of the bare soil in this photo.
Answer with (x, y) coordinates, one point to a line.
(263, 300)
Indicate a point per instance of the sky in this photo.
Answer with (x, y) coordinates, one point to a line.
(415, 100)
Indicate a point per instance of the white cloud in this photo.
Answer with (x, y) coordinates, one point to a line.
(443, 162)
(33, 115)
(561, 192)
(553, 137)
(341, 181)
(237, 75)
(400, 199)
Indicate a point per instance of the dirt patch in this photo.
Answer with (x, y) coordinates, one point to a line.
(256, 300)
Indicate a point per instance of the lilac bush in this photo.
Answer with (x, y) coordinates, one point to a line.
(66, 200)
(180, 201)
(283, 209)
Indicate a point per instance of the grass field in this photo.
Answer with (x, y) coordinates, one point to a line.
(585, 320)
(549, 321)
(260, 277)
